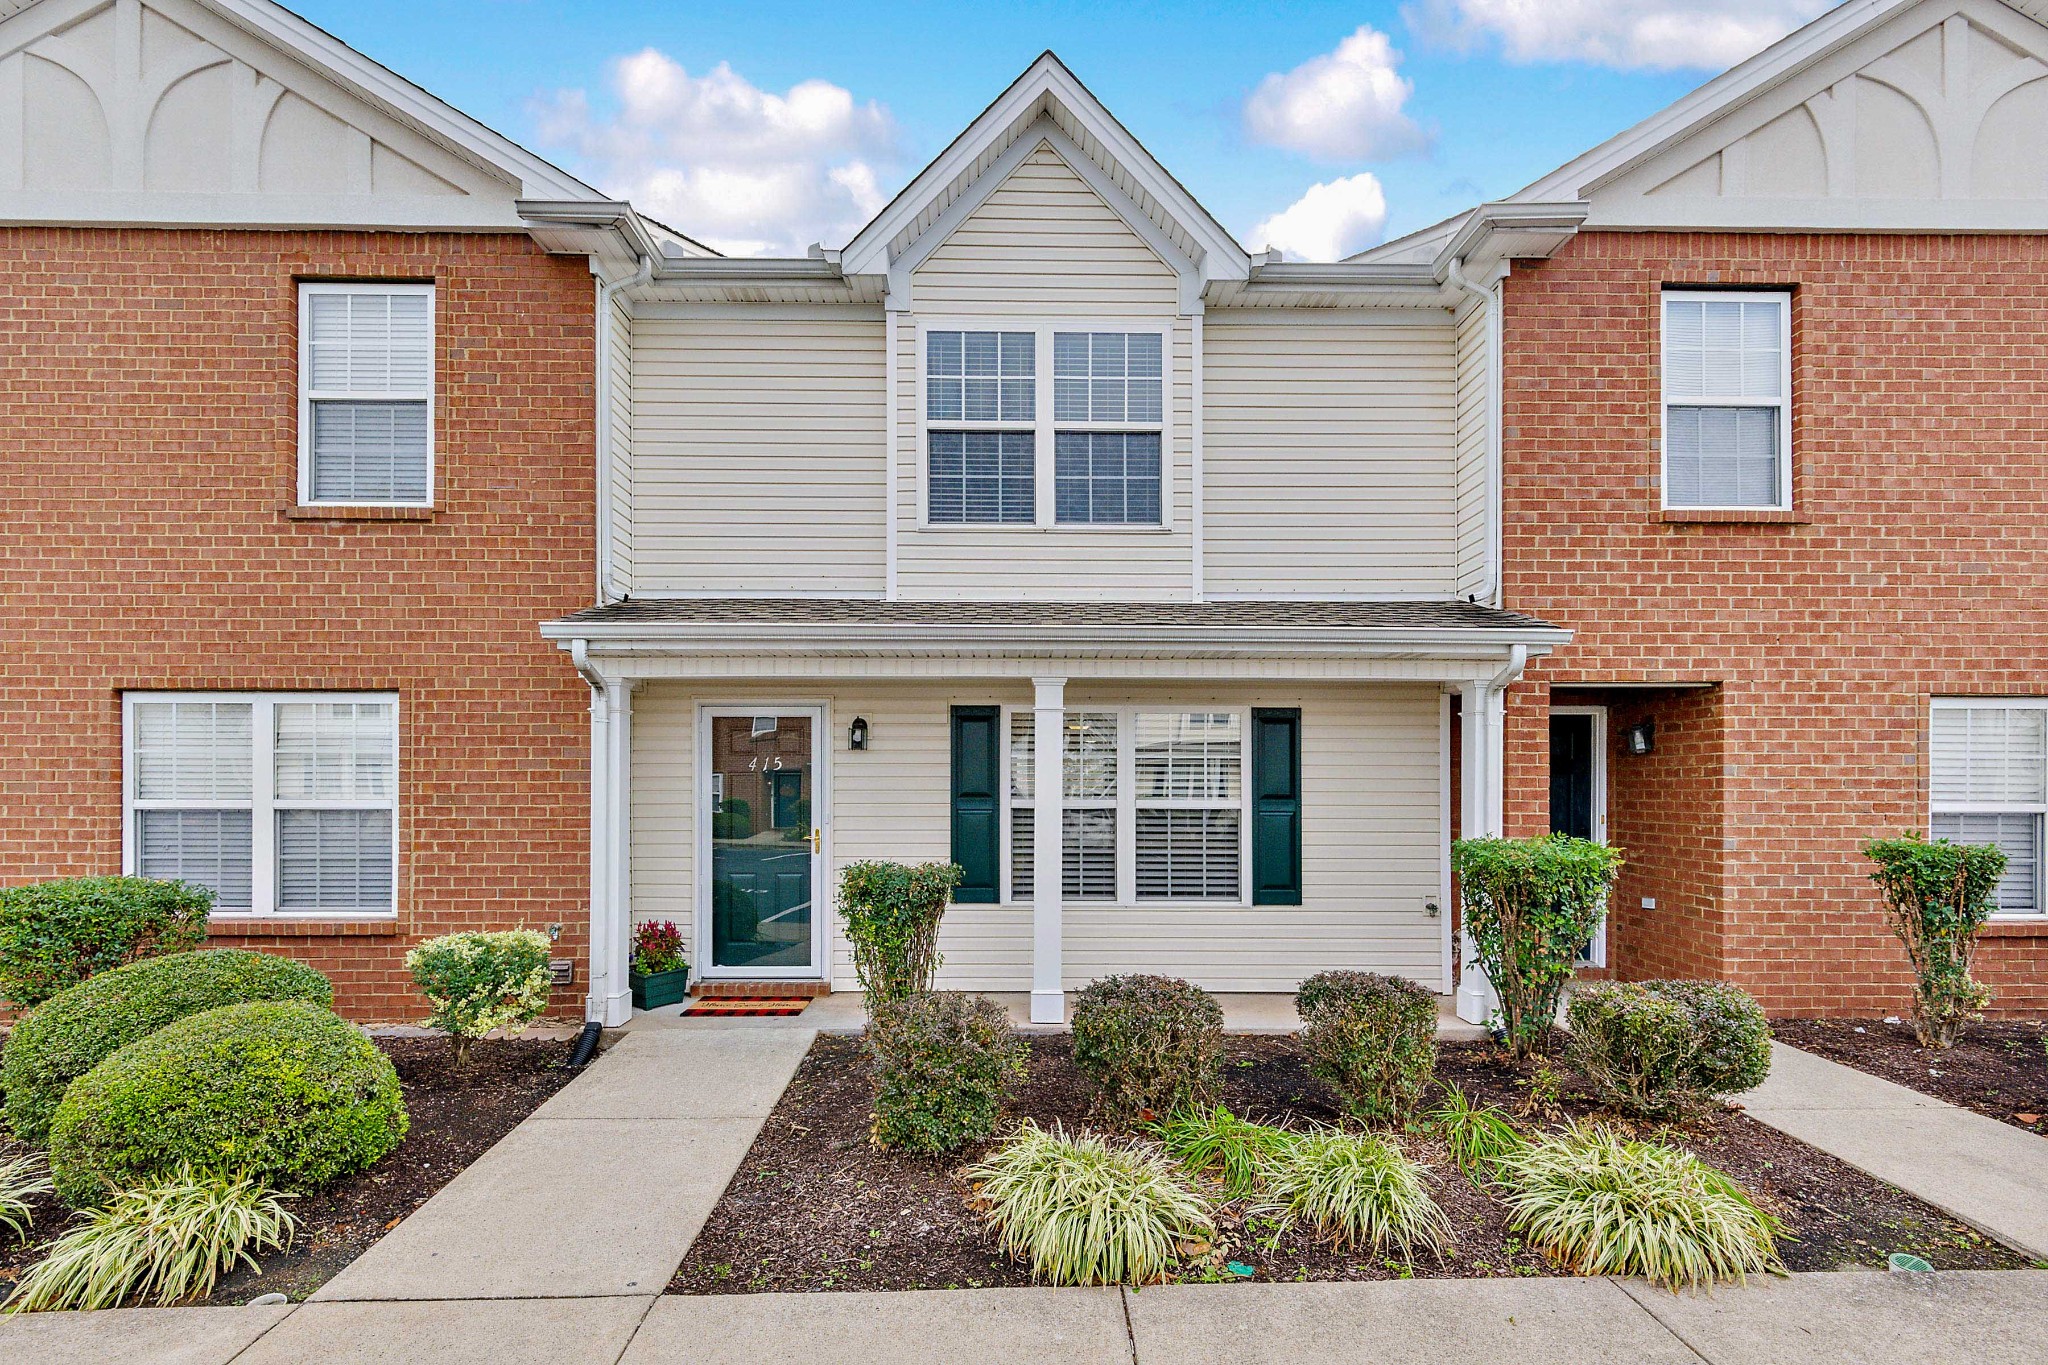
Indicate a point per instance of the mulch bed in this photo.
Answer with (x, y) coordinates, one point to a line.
(815, 1206)
(456, 1117)
(1999, 1069)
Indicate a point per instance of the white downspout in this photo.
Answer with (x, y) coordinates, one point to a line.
(1490, 569)
(607, 1002)
(1482, 716)
(606, 295)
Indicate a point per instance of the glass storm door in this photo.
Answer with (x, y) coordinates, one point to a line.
(762, 809)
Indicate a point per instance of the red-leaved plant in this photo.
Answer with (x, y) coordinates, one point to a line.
(658, 947)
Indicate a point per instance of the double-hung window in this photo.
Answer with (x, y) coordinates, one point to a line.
(366, 394)
(1988, 784)
(281, 803)
(1727, 400)
(1044, 426)
(1153, 806)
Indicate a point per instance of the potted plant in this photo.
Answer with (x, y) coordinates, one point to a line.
(660, 974)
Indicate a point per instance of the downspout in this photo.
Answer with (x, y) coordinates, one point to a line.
(600, 788)
(1490, 580)
(607, 294)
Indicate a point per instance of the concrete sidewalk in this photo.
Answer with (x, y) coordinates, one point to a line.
(1990, 1175)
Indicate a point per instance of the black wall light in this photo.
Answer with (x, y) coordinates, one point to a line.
(857, 734)
(1640, 738)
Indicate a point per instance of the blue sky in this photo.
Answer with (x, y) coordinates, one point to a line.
(761, 127)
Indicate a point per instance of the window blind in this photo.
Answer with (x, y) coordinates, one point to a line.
(369, 383)
(1988, 784)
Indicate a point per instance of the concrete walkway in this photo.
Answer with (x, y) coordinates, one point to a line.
(1990, 1175)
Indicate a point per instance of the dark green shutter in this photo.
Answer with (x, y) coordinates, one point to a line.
(977, 802)
(1276, 806)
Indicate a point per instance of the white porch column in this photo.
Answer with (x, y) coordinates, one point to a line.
(1048, 857)
(611, 739)
(1481, 716)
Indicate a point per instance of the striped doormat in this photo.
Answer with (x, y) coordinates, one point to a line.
(756, 1005)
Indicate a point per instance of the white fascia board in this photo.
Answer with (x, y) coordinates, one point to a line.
(589, 228)
(1511, 231)
(725, 637)
(387, 213)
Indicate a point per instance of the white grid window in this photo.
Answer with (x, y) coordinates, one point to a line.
(1988, 784)
(980, 406)
(366, 385)
(1154, 805)
(1727, 400)
(281, 803)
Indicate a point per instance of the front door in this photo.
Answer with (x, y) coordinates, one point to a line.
(759, 890)
(1578, 790)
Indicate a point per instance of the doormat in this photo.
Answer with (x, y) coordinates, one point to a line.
(771, 1006)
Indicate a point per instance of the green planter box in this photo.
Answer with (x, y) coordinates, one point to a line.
(661, 988)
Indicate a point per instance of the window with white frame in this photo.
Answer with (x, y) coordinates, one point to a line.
(282, 803)
(366, 394)
(1727, 400)
(1988, 784)
(1012, 413)
(1153, 808)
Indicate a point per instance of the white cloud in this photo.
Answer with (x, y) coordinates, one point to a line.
(1629, 35)
(1330, 221)
(746, 170)
(1341, 106)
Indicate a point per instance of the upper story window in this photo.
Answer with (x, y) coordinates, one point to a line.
(281, 803)
(1988, 784)
(1044, 427)
(366, 394)
(1727, 400)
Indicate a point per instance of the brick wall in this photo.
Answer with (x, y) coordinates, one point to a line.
(148, 451)
(1914, 564)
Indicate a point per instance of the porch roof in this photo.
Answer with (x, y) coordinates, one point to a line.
(1223, 616)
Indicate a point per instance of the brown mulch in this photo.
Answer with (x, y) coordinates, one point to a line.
(815, 1206)
(456, 1117)
(1999, 1069)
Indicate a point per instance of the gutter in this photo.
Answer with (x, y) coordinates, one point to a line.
(607, 294)
(812, 637)
(1490, 575)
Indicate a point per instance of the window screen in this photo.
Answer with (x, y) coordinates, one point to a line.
(1725, 401)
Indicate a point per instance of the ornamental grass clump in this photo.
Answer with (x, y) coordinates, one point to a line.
(22, 1178)
(1216, 1142)
(1530, 905)
(1087, 1209)
(167, 1241)
(944, 1065)
(1359, 1191)
(476, 983)
(1937, 895)
(54, 935)
(1662, 1049)
(1601, 1204)
(1370, 1038)
(1149, 1045)
(1479, 1136)
(892, 914)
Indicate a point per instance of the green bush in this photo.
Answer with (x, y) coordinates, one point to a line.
(1085, 1210)
(1148, 1043)
(1937, 896)
(69, 1034)
(284, 1093)
(943, 1067)
(477, 982)
(54, 935)
(1370, 1038)
(1530, 905)
(1361, 1192)
(1656, 1049)
(892, 917)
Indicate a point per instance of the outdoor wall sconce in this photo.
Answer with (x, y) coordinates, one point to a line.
(1640, 738)
(857, 734)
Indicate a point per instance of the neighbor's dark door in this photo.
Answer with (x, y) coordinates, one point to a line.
(1572, 767)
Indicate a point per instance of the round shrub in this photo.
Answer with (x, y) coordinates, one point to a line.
(69, 1034)
(943, 1065)
(54, 935)
(1148, 1043)
(284, 1093)
(477, 982)
(1370, 1038)
(1656, 1049)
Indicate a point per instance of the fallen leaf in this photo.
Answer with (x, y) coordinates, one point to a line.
(2029, 1119)
(1194, 1248)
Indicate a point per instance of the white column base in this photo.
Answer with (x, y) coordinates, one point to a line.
(1048, 1007)
(611, 1010)
(1476, 1000)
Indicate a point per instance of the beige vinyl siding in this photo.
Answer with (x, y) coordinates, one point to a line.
(1330, 454)
(758, 464)
(1371, 833)
(621, 435)
(1474, 380)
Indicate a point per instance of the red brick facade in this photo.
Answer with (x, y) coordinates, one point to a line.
(1796, 653)
(148, 455)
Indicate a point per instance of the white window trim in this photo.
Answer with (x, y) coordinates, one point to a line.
(262, 804)
(1781, 297)
(307, 394)
(1127, 805)
(2039, 809)
(1042, 426)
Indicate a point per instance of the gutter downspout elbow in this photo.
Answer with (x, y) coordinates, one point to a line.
(1490, 578)
(1518, 659)
(607, 294)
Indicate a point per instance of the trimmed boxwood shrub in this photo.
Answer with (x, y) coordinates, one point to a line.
(54, 935)
(69, 1034)
(1656, 1049)
(1370, 1038)
(943, 1065)
(892, 914)
(1530, 905)
(1148, 1043)
(285, 1093)
(1937, 895)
